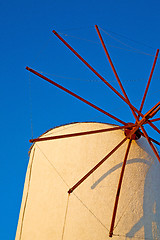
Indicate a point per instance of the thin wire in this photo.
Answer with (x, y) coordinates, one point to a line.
(42, 49)
(65, 217)
(69, 187)
(129, 50)
(68, 197)
(123, 42)
(88, 80)
(126, 38)
(78, 28)
(90, 211)
(53, 166)
(84, 39)
(120, 35)
(63, 77)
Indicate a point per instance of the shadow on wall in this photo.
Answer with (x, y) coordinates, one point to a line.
(151, 200)
(151, 206)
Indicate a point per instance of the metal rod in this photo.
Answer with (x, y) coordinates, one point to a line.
(75, 95)
(97, 165)
(151, 139)
(119, 189)
(146, 116)
(150, 143)
(154, 120)
(112, 66)
(149, 80)
(155, 112)
(154, 108)
(79, 134)
(153, 126)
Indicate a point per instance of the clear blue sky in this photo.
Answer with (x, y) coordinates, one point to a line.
(27, 39)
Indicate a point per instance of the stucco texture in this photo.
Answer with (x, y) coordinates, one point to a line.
(49, 213)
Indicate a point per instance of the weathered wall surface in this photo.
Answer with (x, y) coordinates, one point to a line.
(48, 213)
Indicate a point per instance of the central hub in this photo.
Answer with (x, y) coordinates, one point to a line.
(134, 136)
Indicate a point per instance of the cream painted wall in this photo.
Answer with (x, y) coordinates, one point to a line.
(48, 213)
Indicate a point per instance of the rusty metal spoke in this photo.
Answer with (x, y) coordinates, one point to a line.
(75, 95)
(79, 134)
(119, 189)
(96, 166)
(150, 143)
(151, 139)
(155, 120)
(113, 68)
(149, 80)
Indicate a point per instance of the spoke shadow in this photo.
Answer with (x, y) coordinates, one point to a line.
(136, 160)
(150, 220)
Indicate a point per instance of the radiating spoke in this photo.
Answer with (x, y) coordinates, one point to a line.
(80, 133)
(113, 68)
(151, 139)
(155, 111)
(119, 189)
(149, 80)
(155, 120)
(153, 126)
(75, 95)
(150, 143)
(97, 166)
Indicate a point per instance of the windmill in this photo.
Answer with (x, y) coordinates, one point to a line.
(119, 145)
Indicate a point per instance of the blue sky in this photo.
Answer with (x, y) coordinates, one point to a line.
(131, 33)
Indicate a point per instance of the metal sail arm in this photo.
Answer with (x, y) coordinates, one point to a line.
(151, 139)
(149, 114)
(97, 166)
(150, 143)
(113, 68)
(153, 126)
(119, 189)
(156, 109)
(153, 111)
(41, 139)
(76, 96)
(155, 120)
(149, 80)
(80, 133)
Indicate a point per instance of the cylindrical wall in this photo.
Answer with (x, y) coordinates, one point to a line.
(49, 213)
